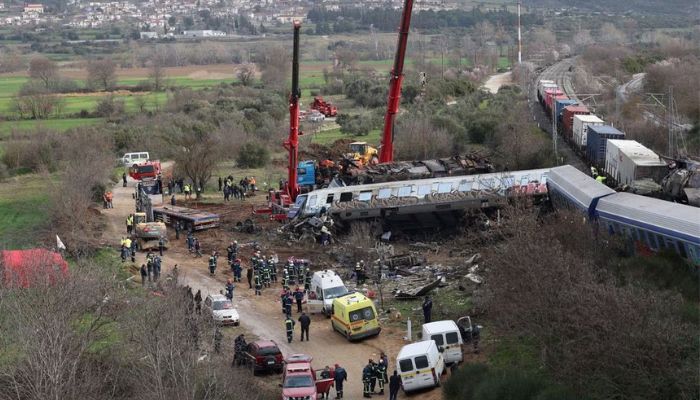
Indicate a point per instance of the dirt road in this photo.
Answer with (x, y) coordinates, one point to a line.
(262, 315)
(496, 81)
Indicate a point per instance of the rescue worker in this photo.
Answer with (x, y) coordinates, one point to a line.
(133, 251)
(326, 374)
(177, 229)
(292, 274)
(161, 245)
(144, 274)
(197, 248)
(198, 301)
(340, 377)
(381, 375)
(221, 183)
(373, 376)
(288, 304)
(230, 256)
(273, 269)
(289, 326)
(266, 272)
(299, 297)
(236, 269)
(427, 309)
(394, 385)
(239, 345)
(283, 297)
(307, 280)
(123, 252)
(190, 241)
(229, 289)
(258, 285)
(212, 263)
(156, 268)
(367, 373)
(129, 223)
(594, 171)
(149, 267)
(123, 179)
(359, 279)
(188, 191)
(600, 178)
(285, 277)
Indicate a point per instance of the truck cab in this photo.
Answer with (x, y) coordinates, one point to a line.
(148, 170)
(306, 174)
(301, 381)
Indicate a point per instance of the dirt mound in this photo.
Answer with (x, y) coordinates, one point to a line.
(335, 151)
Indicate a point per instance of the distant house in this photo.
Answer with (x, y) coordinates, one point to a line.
(35, 8)
(23, 268)
(203, 33)
(148, 35)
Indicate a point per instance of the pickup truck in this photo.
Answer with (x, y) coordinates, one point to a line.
(263, 356)
(301, 381)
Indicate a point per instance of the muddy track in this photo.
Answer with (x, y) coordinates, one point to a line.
(262, 315)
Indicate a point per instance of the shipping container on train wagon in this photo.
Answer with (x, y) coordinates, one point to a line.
(543, 85)
(581, 124)
(628, 160)
(597, 143)
(567, 120)
(559, 105)
(550, 95)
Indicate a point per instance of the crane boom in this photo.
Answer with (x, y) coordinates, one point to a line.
(387, 151)
(292, 143)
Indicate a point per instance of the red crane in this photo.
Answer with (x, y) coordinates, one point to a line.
(386, 153)
(292, 143)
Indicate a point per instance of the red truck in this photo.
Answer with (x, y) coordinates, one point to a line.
(324, 107)
(301, 381)
(145, 171)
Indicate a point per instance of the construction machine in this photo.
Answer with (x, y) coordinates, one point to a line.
(324, 107)
(363, 154)
(279, 201)
(148, 234)
(387, 147)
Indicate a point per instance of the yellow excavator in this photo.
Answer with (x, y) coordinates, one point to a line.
(363, 154)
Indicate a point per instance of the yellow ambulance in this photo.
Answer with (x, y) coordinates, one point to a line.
(355, 316)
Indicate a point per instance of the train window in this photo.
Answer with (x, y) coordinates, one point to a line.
(346, 196)
(423, 190)
(681, 249)
(464, 186)
(329, 199)
(444, 188)
(524, 181)
(660, 241)
(384, 193)
(637, 236)
(365, 195)
(488, 183)
(405, 191)
(312, 200)
(651, 240)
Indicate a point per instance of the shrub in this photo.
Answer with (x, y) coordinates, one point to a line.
(253, 155)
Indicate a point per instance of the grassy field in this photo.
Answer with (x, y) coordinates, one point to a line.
(55, 124)
(23, 210)
(330, 136)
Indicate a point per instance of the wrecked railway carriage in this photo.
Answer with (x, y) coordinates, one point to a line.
(420, 201)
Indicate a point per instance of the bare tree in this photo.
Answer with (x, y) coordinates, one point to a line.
(245, 75)
(197, 151)
(275, 65)
(45, 70)
(610, 34)
(102, 74)
(157, 75)
(419, 139)
(36, 103)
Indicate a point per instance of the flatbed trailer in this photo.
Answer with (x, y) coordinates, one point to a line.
(196, 220)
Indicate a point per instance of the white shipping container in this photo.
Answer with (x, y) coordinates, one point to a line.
(581, 124)
(628, 160)
(543, 82)
(547, 86)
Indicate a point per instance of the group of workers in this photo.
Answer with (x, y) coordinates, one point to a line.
(236, 190)
(374, 375)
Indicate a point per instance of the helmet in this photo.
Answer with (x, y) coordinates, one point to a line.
(235, 241)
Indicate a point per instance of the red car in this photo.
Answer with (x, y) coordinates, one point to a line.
(301, 381)
(263, 356)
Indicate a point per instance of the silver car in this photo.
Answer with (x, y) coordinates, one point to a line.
(222, 310)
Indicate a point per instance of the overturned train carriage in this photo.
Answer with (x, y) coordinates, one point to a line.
(421, 201)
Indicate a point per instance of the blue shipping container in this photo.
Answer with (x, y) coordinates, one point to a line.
(597, 142)
(561, 104)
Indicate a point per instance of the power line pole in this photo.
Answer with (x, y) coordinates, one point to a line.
(520, 43)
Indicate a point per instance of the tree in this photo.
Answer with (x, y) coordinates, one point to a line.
(245, 75)
(45, 70)
(252, 155)
(418, 139)
(611, 35)
(34, 101)
(275, 64)
(101, 74)
(157, 74)
(197, 148)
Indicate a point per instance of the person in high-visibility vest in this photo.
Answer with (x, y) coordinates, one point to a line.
(381, 375)
(258, 285)
(289, 326)
(594, 171)
(212, 263)
(600, 178)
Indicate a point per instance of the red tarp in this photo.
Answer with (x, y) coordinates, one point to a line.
(22, 268)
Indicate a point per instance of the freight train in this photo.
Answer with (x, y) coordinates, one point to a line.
(621, 161)
(652, 224)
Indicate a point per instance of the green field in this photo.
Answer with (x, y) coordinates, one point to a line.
(23, 210)
(330, 136)
(6, 128)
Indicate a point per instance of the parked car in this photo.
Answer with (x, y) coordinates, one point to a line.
(222, 310)
(264, 356)
(301, 381)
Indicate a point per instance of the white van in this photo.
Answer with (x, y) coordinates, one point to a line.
(420, 365)
(447, 338)
(326, 285)
(135, 158)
